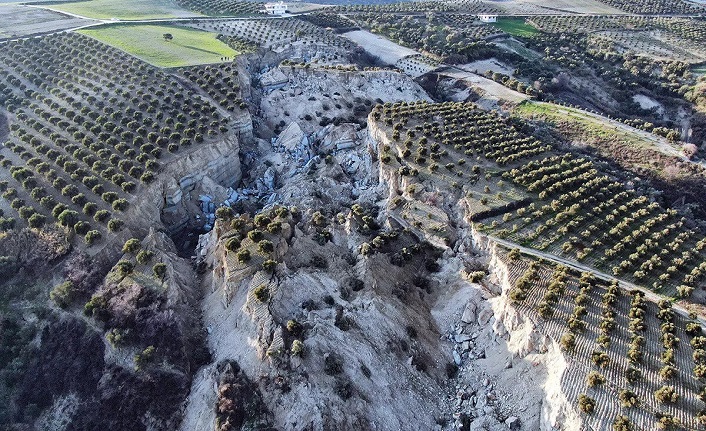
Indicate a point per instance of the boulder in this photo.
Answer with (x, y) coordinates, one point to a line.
(292, 137)
(172, 193)
(469, 313)
(485, 315)
(339, 138)
(273, 78)
(513, 423)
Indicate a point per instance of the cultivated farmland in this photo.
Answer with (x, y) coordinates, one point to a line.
(83, 143)
(632, 361)
(275, 34)
(396, 215)
(18, 21)
(126, 9)
(575, 210)
(186, 47)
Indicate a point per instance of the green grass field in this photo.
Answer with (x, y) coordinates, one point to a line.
(123, 9)
(588, 124)
(188, 47)
(515, 27)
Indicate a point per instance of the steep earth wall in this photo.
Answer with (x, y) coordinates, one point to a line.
(473, 362)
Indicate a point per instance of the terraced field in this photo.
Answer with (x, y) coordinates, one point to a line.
(90, 127)
(275, 34)
(659, 38)
(625, 352)
(516, 187)
(222, 7)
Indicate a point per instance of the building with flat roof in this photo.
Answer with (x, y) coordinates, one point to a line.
(278, 8)
(487, 18)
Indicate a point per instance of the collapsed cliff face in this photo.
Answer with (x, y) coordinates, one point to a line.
(389, 339)
(531, 376)
(171, 200)
(358, 315)
(316, 97)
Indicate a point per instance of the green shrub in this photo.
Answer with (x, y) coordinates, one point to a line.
(115, 225)
(145, 358)
(297, 348)
(476, 276)
(366, 249)
(633, 375)
(518, 295)
(666, 421)
(262, 293)
(124, 268)
(101, 215)
(232, 244)
(109, 197)
(7, 223)
(701, 416)
(120, 204)
(265, 246)
(667, 372)
(261, 220)
(116, 337)
(594, 378)
(159, 270)
(90, 208)
(700, 371)
(586, 404)
(568, 342)
(622, 423)
(269, 265)
(68, 218)
(97, 307)
(91, 237)
(243, 256)
(693, 329)
(318, 219)
(545, 310)
(144, 256)
(224, 213)
(294, 327)
(255, 235)
(63, 294)
(131, 246)
(628, 398)
(667, 395)
(274, 227)
(599, 358)
(36, 220)
(82, 227)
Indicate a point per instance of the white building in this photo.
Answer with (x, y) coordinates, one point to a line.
(278, 8)
(487, 18)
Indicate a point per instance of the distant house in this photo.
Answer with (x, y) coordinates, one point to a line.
(487, 18)
(278, 8)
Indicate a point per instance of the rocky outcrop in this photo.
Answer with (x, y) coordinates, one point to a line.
(173, 196)
(317, 97)
(490, 336)
(471, 360)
